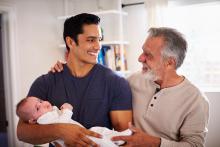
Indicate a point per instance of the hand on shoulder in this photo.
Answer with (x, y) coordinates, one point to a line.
(58, 67)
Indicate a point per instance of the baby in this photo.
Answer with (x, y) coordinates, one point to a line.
(35, 110)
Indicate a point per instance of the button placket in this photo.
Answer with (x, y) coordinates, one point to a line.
(153, 100)
(148, 110)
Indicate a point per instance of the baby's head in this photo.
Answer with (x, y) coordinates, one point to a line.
(31, 108)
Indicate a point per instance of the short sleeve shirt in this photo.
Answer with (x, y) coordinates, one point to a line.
(93, 97)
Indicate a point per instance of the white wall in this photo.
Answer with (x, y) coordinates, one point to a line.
(135, 31)
(36, 29)
(37, 37)
(214, 120)
(35, 33)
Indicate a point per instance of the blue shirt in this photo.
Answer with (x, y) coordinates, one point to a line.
(92, 96)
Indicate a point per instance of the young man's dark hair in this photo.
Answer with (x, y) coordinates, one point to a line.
(73, 26)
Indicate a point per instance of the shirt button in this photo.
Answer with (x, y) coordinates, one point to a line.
(155, 98)
(151, 105)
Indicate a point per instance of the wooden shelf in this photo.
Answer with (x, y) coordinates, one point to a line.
(105, 43)
(124, 73)
(98, 13)
(114, 42)
(110, 12)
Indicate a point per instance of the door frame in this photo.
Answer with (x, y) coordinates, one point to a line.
(10, 70)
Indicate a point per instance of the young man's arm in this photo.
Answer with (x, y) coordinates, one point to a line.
(121, 106)
(70, 134)
(120, 119)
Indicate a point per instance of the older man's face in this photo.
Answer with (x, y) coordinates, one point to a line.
(151, 58)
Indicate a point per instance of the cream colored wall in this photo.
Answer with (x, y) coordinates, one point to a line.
(135, 32)
(35, 44)
(37, 38)
(212, 139)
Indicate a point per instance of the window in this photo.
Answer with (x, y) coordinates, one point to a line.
(200, 23)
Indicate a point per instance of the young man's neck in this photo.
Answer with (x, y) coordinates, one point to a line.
(170, 79)
(79, 69)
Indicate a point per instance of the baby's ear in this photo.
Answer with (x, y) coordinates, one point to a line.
(32, 121)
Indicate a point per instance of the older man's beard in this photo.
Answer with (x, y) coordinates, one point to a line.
(150, 75)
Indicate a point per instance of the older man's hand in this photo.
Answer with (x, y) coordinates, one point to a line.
(138, 138)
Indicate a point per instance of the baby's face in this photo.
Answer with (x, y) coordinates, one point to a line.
(37, 107)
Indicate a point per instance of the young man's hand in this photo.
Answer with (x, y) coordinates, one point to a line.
(74, 135)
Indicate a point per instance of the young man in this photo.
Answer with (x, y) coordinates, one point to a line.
(100, 97)
(168, 110)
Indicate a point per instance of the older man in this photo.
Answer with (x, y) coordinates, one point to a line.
(170, 111)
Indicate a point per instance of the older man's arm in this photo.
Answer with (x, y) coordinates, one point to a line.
(192, 131)
(194, 128)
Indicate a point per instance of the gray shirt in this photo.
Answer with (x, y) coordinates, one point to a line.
(178, 115)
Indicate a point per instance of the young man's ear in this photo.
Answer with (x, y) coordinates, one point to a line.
(32, 121)
(66, 55)
(70, 42)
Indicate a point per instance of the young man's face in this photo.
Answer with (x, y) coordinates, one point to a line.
(151, 58)
(36, 107)
(88, 45)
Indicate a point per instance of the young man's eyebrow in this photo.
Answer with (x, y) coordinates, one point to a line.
(93, 37)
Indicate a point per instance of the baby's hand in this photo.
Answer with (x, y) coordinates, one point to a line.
(66, 106)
